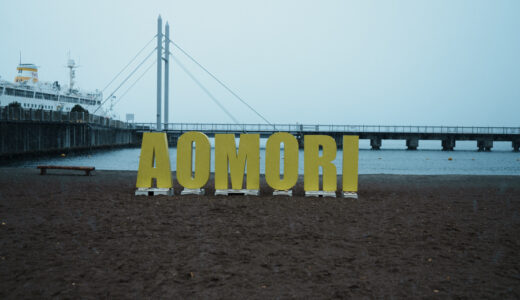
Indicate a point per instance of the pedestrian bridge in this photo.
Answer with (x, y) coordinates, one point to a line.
(447, 135)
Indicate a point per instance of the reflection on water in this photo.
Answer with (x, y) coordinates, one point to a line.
(392, 159)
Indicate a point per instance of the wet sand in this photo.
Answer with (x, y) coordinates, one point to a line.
(71, 236)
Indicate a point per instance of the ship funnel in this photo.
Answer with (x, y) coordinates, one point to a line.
(27, 73)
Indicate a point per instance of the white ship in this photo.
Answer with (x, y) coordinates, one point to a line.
(33, 94)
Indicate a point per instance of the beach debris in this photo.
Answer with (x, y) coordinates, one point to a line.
(450, 158)
(191, 275)
(62, 155)
(3, 257)
(448, 277)
(264, 286)
(73, 283)
(435, 291)
(429, 259)
(3, 224)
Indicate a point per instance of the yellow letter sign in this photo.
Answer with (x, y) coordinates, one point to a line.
(290, 162)
(154, 152)
(226, 151)
(313, 161)
(350, 164)
(185, 175)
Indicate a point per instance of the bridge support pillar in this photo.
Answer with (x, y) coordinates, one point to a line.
(299, 138)
(412, 144)
(516, 145)
(375, 143)
(448, 144)
(339, 141)
(172, 140)
(484, 145)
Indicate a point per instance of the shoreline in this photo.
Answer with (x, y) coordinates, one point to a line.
(408, 236)
(370, 162)
(365, 180)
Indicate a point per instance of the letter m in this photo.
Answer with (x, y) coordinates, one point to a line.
(228, 161)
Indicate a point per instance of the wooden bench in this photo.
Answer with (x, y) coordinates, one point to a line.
(43, 169)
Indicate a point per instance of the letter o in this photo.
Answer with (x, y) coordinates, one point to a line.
(272, 161)
(185, 160)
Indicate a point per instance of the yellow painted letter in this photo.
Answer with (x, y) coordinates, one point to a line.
(226, 151)
(290, 162)
(154, 152)
(312, 163)
(350, 163)
(185, 160)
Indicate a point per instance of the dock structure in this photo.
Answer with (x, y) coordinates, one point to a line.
(447, 135)
(28, 132)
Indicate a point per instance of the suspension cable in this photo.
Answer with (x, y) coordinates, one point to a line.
(132, 85)
(205, 89)
(113, 79)
(220, 82)
(124, 81)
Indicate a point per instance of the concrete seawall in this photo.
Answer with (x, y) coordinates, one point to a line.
(34, 138)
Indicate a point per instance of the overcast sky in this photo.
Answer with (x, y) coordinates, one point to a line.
(327, 62)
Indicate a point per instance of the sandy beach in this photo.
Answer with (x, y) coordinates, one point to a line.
(67, 235)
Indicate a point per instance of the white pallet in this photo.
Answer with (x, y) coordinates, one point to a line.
(237, 192)
(351, 195)
(192, 192)
(153, 192)
(282, 193)
(320, 194)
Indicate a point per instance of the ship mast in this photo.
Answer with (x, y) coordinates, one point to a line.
(71, 64)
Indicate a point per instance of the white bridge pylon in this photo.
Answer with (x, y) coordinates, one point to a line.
(163, 54)
(166, 58)
(160, 59)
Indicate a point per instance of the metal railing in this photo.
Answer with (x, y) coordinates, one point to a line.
(295, 128)
(40, 115)
(21, 114)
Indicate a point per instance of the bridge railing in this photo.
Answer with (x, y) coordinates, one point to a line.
(295, 128)
(41, 115)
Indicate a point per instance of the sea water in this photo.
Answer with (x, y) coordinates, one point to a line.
(393, 158)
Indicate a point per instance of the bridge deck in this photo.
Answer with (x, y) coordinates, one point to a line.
(485, 136)
(298, 128)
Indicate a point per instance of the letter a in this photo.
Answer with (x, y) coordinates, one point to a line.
(154, 161)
